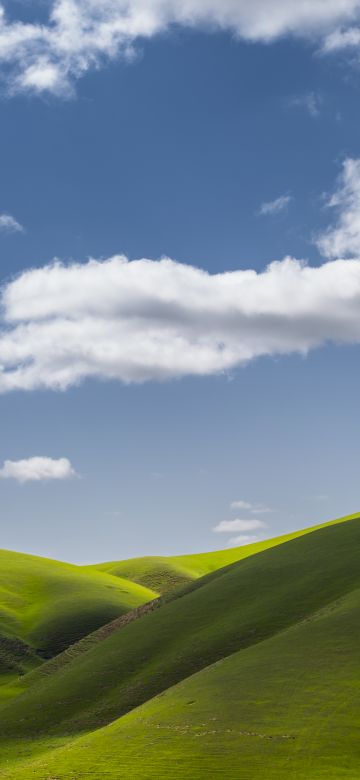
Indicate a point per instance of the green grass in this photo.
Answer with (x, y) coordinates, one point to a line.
(250, 672)
(286, 623)
(287, 707)
(46, 605)
(164, 573)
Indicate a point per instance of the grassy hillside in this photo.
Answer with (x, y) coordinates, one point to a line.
(163, 573)
(46, 605)
(285, 619)
(251, 671)
(285, 708)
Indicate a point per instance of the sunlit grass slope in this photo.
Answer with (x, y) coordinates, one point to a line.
(286, 708)
(46, 605)
(242, 611)
(163, 573)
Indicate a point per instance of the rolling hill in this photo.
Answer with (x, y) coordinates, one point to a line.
(251, 671)
(162, 573)
(46, 606)
(287, 707)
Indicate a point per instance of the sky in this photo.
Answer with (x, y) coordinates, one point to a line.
(180, 273)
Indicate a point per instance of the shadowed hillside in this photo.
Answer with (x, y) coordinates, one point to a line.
(46, 605)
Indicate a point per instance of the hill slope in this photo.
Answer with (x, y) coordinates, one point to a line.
(285, 708)
(162, 573)
(238, 612)
(46, 605)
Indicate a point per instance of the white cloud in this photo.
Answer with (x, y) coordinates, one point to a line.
(147, 320)
(240, 505)
(342, 39)
(343, 240)
(311, 102)
(240, 541)
(272, 207)
(81, 34)
(9, 224)
(155, 320)
(231, 526)
(255, 509)
(37, 469)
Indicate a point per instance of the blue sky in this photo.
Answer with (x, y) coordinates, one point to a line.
(173, 150)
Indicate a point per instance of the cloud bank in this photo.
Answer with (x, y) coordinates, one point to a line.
(141, 320)
(147, 320)
(79, 35)
(37, 469)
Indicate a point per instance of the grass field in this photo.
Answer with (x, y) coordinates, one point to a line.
(46, 605)
(251, 671)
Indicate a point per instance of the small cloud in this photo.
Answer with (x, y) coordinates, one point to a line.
(255, 509)
(240, 505)
(230, 526)
(272, 207)
(240, 541)
(342, 39)
(311, 102)
(9, 224)
(37, 469)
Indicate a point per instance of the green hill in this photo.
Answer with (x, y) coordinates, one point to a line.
(250, 672)
(46, 605)
(161, 573)
(287, 707)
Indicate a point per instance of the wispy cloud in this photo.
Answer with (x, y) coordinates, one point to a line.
(310, 101)
(240, 505)
(231, 526)
(255, 509)
(343, 238)
(341, 39)
(242, 540)
(79, 35)
(273, 207)
(9, 224)
(37, 469)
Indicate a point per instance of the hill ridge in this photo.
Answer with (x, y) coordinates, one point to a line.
(86, 643)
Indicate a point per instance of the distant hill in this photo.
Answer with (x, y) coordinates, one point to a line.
(251, 671)
(46, 606)
(162, 573)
